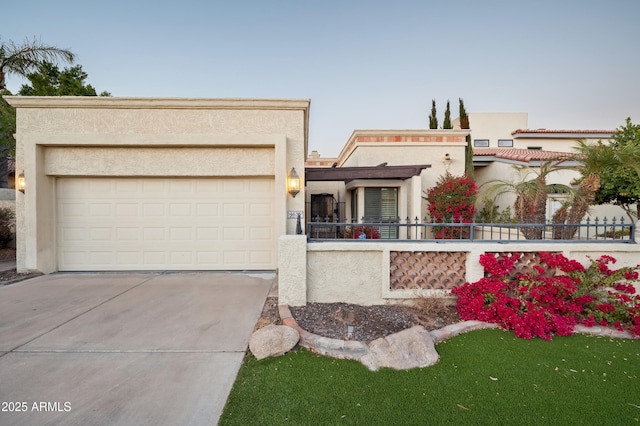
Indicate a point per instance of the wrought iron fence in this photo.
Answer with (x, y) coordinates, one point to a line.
(372, 229)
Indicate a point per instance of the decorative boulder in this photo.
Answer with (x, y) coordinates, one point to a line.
(273, 340)
(407, 349)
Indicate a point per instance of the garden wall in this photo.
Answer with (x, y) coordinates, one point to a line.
(370, 273)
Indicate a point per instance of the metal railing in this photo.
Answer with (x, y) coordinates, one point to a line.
(372, 229)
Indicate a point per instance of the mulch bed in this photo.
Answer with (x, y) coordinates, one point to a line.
(363, 323)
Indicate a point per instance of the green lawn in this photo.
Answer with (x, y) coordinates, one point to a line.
(485, 377)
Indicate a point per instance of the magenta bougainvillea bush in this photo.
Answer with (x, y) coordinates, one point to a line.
(540, 304)
(452, 200)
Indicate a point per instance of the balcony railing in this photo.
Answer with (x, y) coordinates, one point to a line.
(376, 229)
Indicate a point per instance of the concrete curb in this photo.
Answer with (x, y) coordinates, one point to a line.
(353, 349)
(603, 331)
(459, 328)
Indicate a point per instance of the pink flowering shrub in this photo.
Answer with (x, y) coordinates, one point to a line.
(540, 304)
(452, 200)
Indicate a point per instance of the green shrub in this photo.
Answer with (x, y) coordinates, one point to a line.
(7, 224)
(490, 213)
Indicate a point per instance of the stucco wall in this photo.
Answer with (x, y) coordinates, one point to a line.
(401, 154)
(336, 276)
(359, 272)
(496, 125)
(292, 270)
(551, 144)
(83, 136)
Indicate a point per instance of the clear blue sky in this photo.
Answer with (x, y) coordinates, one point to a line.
(571, 64)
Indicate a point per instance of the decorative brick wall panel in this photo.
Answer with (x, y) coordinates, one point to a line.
(526, 263)
(421, 270)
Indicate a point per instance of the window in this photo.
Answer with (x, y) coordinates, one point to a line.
(481, 142)
(381, 204)
(505, 142)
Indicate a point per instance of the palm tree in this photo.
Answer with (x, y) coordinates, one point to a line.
(572, 211)
(22, 59)
(599, 159)
(530, 206)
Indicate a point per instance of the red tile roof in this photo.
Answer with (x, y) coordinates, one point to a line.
(546, 131)
(525, 155)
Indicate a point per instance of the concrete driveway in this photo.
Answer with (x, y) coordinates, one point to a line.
(124, 348)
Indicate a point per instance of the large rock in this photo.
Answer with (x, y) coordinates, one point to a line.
(407, 349)
(273, 340)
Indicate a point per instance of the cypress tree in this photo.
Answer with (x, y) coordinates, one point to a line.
(468, 152)
(446, 124)
(433, 120)
(464, 118)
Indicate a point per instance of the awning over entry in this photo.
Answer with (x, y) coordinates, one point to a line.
(348, 174)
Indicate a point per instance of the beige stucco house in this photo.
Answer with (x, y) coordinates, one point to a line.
(503, 140)
(366, 194)
(117, 184)
(156, 184)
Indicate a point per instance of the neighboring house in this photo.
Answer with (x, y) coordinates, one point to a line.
(503, 140)
(499, 143)
(381, 174)
(155, 184)
(511, 130)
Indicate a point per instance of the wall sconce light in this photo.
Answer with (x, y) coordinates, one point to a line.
(21, 183)
(293, 183)
(446, 161)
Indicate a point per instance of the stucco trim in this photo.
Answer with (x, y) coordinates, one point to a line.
(104, 102)
(451, 137)
(217, 140)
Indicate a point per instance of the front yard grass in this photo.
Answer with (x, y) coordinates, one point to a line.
(485, 377)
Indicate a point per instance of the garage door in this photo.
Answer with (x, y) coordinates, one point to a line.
(106, 224)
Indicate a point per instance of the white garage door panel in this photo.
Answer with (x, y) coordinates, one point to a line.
(173, 224)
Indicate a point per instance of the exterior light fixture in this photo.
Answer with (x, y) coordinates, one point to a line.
(21, 183)
(293, 183)
(446, 161)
